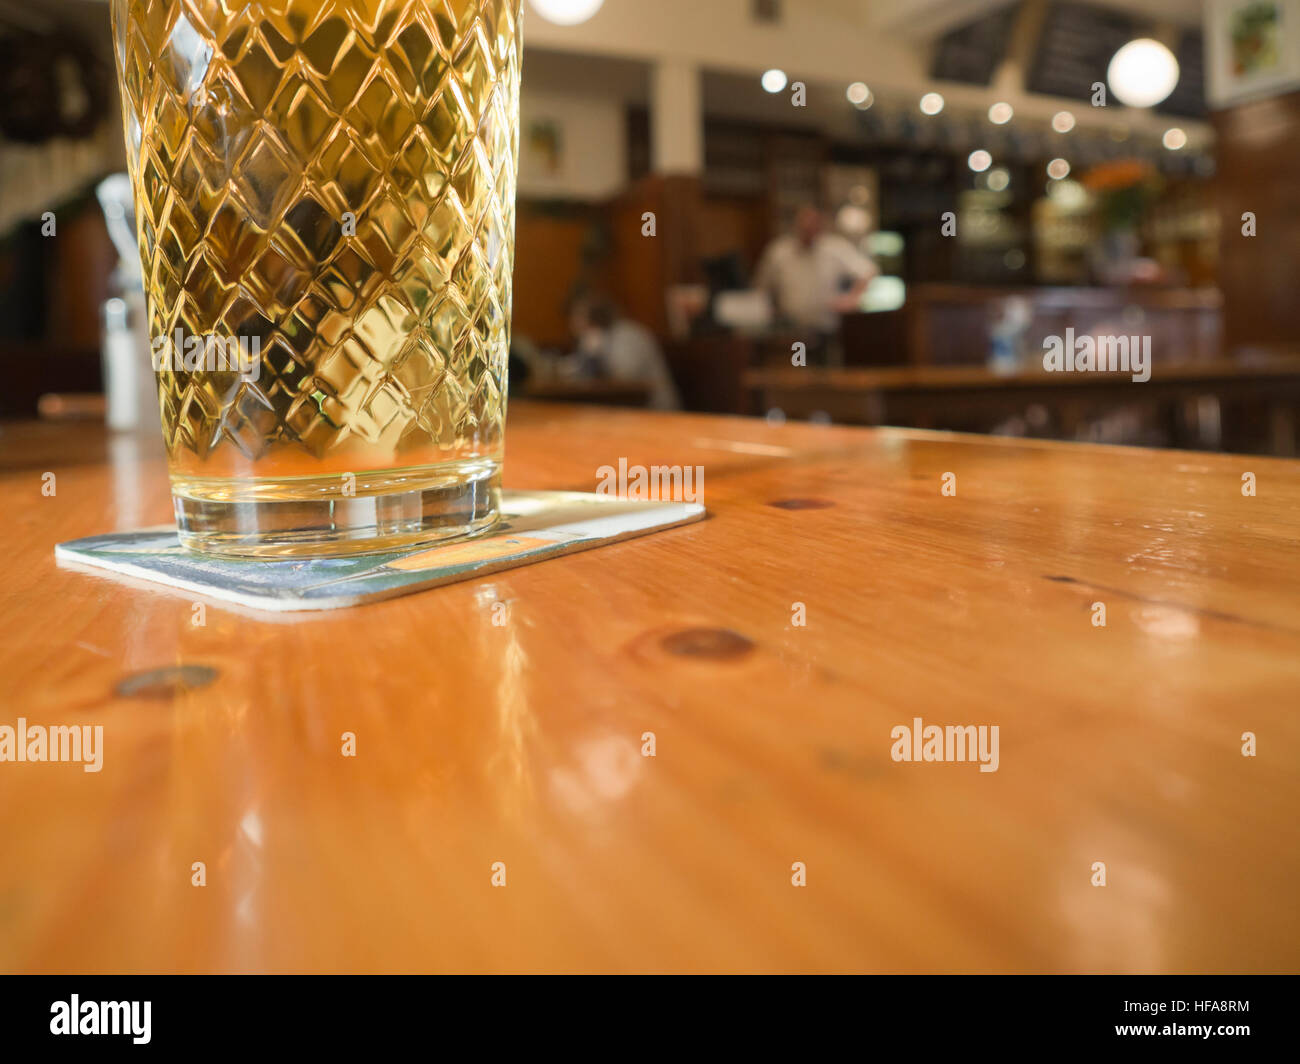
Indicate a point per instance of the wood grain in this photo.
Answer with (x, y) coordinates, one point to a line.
(522, 744)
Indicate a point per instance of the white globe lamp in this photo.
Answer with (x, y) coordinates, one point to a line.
(566, 12)
(1142, 73)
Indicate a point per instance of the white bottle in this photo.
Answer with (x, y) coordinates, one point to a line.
(129, 387)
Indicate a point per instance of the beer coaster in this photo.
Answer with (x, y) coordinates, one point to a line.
(534, 526)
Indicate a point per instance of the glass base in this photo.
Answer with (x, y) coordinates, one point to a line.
(327, 517)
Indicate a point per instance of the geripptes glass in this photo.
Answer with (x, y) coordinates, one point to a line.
(325, 199)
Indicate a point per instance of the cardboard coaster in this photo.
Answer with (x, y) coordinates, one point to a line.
(534, 526)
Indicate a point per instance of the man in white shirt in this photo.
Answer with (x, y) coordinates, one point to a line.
(814, 276)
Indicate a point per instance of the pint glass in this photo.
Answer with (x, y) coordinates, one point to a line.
(325, 204)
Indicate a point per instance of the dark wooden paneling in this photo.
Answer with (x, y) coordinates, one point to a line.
(1259, 171)
(548, 266)
(78, 277)
(642, 268)
(32, 369)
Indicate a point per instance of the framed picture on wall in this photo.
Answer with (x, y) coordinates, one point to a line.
(1253, 48)
(544, 146)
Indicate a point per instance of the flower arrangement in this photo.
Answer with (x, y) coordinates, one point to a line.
(1123, 188)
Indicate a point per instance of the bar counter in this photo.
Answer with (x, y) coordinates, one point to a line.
(501, 812)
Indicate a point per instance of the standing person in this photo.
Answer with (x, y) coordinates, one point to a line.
(616, 348)
(814, 276)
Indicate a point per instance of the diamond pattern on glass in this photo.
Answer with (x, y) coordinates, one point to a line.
(255, 131)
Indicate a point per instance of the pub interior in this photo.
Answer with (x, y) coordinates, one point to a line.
(979, 158)
(966, 334)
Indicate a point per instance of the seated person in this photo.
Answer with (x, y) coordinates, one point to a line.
(614, 348)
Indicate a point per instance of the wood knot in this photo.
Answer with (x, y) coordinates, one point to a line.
(715, 644)
(166, 683)
(802, 504)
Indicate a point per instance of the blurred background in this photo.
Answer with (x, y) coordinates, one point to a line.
(854, 211)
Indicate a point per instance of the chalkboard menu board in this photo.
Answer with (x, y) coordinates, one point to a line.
(1076, 46)
(1188, 97)
(971, 53)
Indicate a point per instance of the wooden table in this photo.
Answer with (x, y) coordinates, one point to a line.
(926, 395)
(522, 744)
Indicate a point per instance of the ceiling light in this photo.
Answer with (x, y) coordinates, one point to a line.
(567, 12)
(1142, 73)
(931, 103)
(1174, 139)
(1000, 114)
(1058, 169)
(774, 80)
(979, 160)
(1062, 121)
(860, 96)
